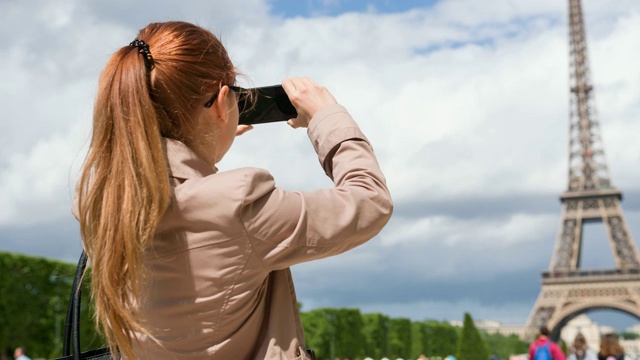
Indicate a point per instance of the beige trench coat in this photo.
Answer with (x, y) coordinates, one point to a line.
(219, 284)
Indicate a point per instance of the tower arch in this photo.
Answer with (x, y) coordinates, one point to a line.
(570, 312)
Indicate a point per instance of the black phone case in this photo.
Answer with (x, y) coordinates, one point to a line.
(271, 104)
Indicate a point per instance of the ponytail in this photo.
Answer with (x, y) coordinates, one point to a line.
(148, 90)
(123, 194)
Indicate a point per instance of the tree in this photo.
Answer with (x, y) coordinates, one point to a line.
(417, 339)
(34, 305)
(627, 335)
(471, 346)
(316, 332)
(503, 346)
(440, 338)
(334, 332)
(376, 333)
(400, 338)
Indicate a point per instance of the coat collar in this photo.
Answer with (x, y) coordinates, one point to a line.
(183, 162)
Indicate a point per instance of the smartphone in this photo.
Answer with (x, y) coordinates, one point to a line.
(264, 105)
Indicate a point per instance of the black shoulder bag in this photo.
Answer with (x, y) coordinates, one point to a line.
(72, 324)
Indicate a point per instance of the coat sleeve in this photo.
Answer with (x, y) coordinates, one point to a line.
(288, 227)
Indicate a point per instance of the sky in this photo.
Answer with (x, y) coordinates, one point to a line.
(465, 102)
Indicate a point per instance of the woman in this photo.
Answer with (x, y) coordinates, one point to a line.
(580, 350)
(610, 348)
(189, 262)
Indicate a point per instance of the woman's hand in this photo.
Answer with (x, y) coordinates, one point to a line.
(243, 129)
(307, 97)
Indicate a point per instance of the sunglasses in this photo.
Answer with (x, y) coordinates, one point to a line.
(241, 92)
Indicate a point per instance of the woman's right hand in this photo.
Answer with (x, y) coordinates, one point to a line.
(307, 97)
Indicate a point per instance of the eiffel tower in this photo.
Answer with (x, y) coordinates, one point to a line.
(567, 289)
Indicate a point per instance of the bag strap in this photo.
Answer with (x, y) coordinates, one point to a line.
(72, 323)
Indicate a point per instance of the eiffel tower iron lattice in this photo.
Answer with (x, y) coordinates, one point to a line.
(567, 290)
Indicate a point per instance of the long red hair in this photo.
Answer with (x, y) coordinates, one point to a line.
(124, 188)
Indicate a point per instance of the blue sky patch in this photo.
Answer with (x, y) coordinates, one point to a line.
(312, 8)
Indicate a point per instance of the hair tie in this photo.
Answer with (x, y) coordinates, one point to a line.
(143, 48)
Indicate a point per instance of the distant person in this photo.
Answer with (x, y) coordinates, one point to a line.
(19, 354)
(580, 350)
(610, 348)
(545, 349)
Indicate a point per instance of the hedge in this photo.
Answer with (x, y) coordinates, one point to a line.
(33, 306)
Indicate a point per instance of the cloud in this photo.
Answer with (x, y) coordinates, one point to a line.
(465, 102)
(36, 187)
(55, 239)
